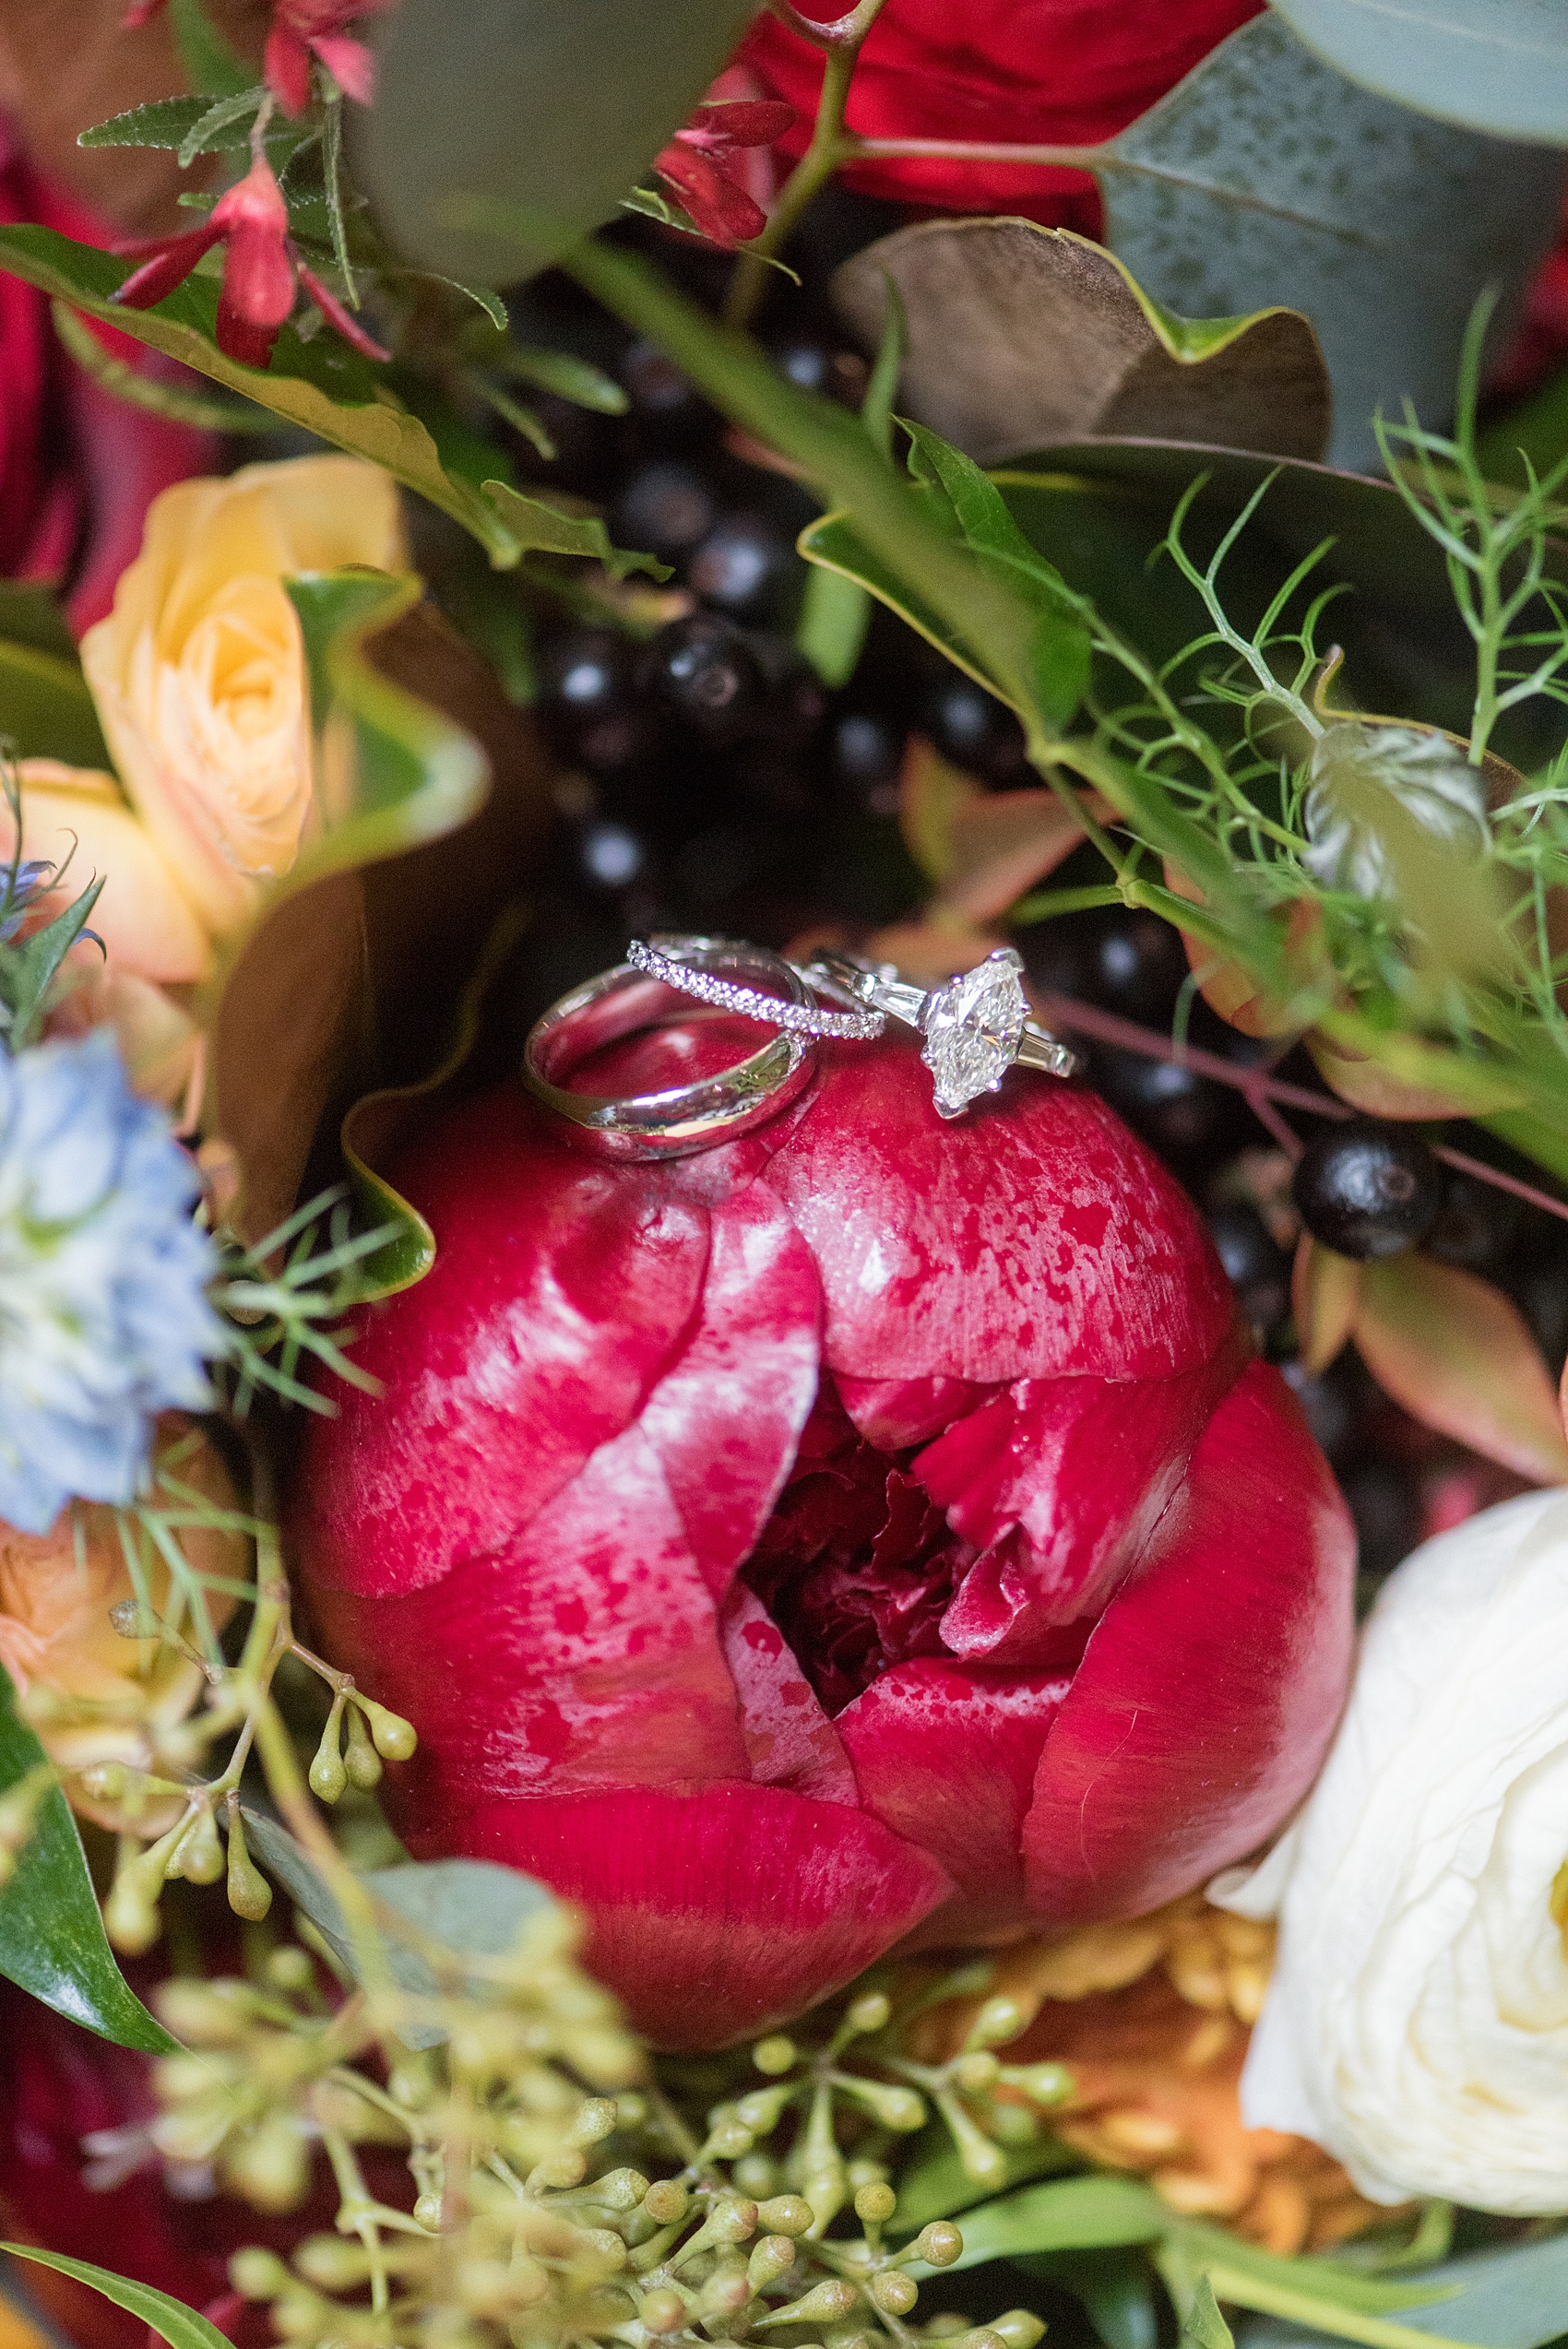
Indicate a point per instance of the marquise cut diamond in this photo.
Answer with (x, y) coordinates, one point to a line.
(973, 1026)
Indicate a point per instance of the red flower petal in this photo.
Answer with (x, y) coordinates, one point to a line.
(725, 1423)
(721, 1915)
(1211, 1687)
(722, 211)
(1086, 1468)
(173, 260)
(744, 122)
(562, 1292)
(350, 63)
(1031, 1237)
(285, 65)
(583, 1655)
(945, 1755)
(339, 316)
(896, 1413)
(240, 337)
(790, 1740)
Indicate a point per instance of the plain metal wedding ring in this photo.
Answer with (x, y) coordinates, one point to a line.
(688, 1117)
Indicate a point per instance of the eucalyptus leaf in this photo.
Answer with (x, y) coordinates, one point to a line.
(181, 2326)
(486, 98)
(1497, 65)
(1073, 2214)
(1267, 177)
(1019, 335)
(52, 1936)
(1514, 2298)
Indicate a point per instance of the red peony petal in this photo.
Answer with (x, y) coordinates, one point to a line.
(1085, 1469)
(725, 1423)
(584, 1655)
(720, 1915)
(896, 1413)
(744, 122)
(562, 1291)
(790, 1740)
(1209, 1691)
(945, 1755)
(1031, 1237)
(721, 209)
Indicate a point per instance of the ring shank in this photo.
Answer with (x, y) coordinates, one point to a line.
(698, 1116)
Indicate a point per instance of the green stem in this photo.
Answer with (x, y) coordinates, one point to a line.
(829, 147)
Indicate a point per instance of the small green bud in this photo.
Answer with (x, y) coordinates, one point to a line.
(756, 2175)
(1000, 2019)
(256, 2274)
(597, 2118)
(130, 1914)
(330, 2261)
(667, 2201)
(1019, 2328)
(895, 2294)
(250, 1894)
(976, 2074)
(725, 2294)
(761, 2109)
(396, 1739)
(271, 2167)
(875, 2204)
(106, 1782)
(872, 2012)
(731, 2220)
(895, 2108)
(198, 1854)
(360, 1758)
(939, 2244)
(289, 1968)
(776, 2054)
(786, 2215)
(1042, 2083)
(864, 2173)
(827, 2303)
(631, 2111)
(772, 2258)
(427, 2211)
(729, 2141)
(327, 1775)
(664, 2309)
(619, 2189)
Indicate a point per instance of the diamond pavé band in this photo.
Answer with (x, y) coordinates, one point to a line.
(752, 1002)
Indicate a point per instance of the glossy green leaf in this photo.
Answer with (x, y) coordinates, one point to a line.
(1074, 2213)
(52, 1936)
(1115, 2288)
(166, 122)
(1203, 2327)
(181, 2326)
(934, 2184)
(1265, 177)
(1020, 335)
(1206, 2246)
(1513, 2299)
(322, 385)
(569, 377)
(487, 99)
(45, 707)
(1498, 65)
(537, 526)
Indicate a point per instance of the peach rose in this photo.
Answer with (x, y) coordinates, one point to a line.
(199, 673)
(92, 1695)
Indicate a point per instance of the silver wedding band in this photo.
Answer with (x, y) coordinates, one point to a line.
(624, 1001)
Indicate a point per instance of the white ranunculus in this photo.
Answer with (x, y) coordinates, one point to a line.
(1417, 2025)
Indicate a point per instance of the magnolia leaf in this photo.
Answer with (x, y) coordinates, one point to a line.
(1381, 226)
(181, 2326)
(1459, 1356)
(330, 988)
(52, 1936)
(1077, 2213)
(1020, 335)
(486, 98)
(1498, 65)
(323, 385)
(1325, 1288)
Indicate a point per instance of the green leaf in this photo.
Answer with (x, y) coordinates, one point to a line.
(30, 969)
(1113, 2287)
(836, 611)
(323, 385)
(1200, 2246)
(52, 1936)
(183, 2328)
(1513, 2299)
(223, 115)
(45, 707)
(167, 121)
(211, 67)
(569, 377)
(486, 98)
(1382, 226)
(1075, 2214)
(1203, 2327)
(1498, 65)
(538, 526)
(1020, 335)
(934, 2184)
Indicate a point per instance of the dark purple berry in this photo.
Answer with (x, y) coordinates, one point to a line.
(975, 731)
(664, 401)
(1367, 1190)
(1257, 1270)
(666, 509)
(703, 672)
(1135, 966)
(741, 565)
(587, 699)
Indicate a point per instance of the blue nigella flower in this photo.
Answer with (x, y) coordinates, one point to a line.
(104, 1316)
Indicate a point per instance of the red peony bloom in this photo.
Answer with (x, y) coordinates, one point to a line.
(694, 165)
(1036, 72)
(260, 266)
(871, 1528)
